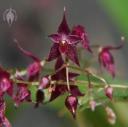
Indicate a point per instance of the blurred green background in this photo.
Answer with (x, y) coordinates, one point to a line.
(105, 20)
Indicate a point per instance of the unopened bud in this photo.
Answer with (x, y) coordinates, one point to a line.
(92, 104)
(110, 115)
(109, 92)
(44, 83)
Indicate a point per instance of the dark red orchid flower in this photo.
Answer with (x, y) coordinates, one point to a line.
(71, 103)
(34, 69)
(61, 75)
(62, 89)
(106, 59)
(64, 43)
(6, 84)
(3, 120)
(23, 94)
(80, 31)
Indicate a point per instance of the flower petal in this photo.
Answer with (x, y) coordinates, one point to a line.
(63, 27)
(55, 38)
(73, 39)
(33, 71)
(80, 31)
(72, 75)
(59, 90)
(3, 120)
(27, 53)
(23, 94)
(54, 52)
(107, 61)
(59, 63)
(5, 83)
(75, 91)
(72, 54)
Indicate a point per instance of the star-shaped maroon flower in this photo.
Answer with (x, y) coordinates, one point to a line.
(106, 59)
(64, 43)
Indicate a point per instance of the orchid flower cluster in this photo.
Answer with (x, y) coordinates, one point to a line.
(64, 79)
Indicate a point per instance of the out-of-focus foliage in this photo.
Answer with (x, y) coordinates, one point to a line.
(118, 12)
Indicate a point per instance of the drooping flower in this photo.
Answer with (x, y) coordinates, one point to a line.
(71, 103)
(6, 84)
(80, 31)
(3, 120)
(23, 94)
(34, 69)
(109, 92)
(106, 59)
(64, 42)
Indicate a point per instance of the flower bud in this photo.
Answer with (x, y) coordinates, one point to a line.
(44, 83)
(109, 92)
(71, 103)
(92, 104)
(110, 115)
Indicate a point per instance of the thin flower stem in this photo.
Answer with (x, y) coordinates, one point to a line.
(67, 78)
(98, 85)
(88, 72)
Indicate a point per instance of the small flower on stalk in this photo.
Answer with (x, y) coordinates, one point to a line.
(109, 92)
(3, 120)
(110, 115)
(23, 94)
(34, 69)
(5, 83)
(106, 59)
(44, 83)
(92, 104)
(80, 31)
(71, 103)
(64, 42)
